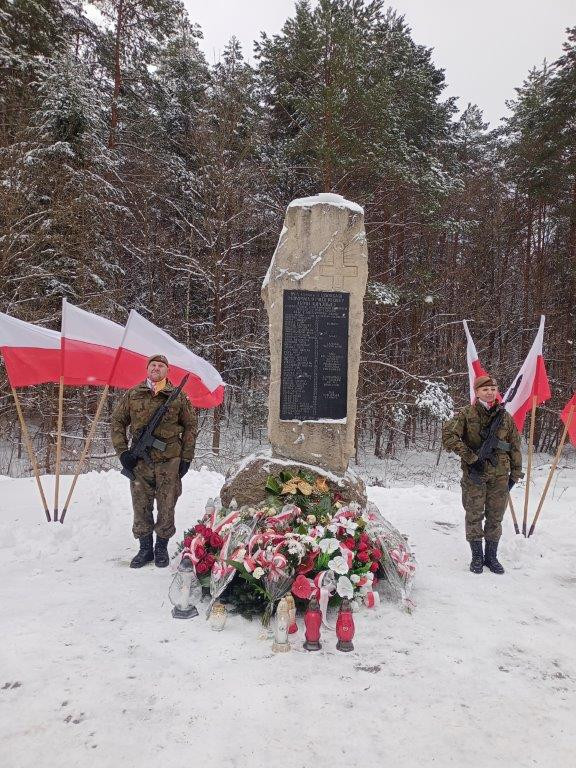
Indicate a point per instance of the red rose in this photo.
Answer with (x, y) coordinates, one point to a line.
(200, 528)
(187, 542)
(202, 567)
(207, 532)
(374, 567)
(216, 541)
(209, 560)
(363, 556)
(376, 554)
(200, 551)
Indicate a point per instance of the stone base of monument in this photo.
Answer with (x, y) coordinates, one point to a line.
(246, 480)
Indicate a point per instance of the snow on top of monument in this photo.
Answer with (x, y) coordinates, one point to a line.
(326, 198)
(266, 454)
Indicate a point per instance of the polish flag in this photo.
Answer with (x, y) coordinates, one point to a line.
(141, 340)
(31, 353)
(532, 380)
(475, 367)
(570, 406)
(89, 346)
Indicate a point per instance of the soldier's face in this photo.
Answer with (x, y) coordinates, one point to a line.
(157, 371)
(488, 393)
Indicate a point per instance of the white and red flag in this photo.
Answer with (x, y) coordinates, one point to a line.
(89, 346)
(142, 339)
(31, 353)
(531, 381)
(569, 412)
(475, 367)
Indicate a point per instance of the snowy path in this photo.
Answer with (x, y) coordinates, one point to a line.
(95, 672)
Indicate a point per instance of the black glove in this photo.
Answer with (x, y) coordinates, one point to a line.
(128, 460)
(511, 483)
(184, 467)
(478, 465)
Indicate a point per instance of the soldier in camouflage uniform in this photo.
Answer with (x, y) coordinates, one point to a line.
(161, 480)
(485, 502)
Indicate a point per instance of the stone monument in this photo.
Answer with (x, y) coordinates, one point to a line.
(313, 292)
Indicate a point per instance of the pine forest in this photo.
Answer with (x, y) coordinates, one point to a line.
(136, 175)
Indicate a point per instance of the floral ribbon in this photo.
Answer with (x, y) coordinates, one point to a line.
(404, 565)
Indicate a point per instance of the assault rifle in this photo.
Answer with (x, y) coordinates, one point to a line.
(491, 442)
(145, 440)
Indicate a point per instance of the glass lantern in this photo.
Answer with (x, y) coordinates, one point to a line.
(185, 591)
(218, 614)
(281, 644)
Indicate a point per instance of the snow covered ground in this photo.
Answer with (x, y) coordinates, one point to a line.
(95, 672)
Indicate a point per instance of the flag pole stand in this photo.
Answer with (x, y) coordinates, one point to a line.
(529, 467)
(31, 451)
(514, 520)
(85, 450)
(552, 469)
(58, 447)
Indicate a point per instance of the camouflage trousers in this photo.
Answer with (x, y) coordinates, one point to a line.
(484, 503)
(161, 482)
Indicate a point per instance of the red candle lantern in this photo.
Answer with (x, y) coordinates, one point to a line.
(313, 622)
(345, 627)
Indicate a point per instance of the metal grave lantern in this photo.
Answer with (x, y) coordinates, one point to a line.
(185, 592)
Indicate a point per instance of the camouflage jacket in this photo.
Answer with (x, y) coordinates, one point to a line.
(177, 428)
(462, 436)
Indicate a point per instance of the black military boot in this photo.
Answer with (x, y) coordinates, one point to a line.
(145, 554)
(477, 564)
(490, 557)
(161, 559)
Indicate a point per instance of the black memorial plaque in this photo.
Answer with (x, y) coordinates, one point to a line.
(314, 377)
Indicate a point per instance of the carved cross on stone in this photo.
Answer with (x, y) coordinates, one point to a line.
(335, 265)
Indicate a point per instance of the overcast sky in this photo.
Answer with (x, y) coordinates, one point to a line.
(486, 47)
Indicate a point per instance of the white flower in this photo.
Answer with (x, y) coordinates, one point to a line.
(311, 519)
(355, 578)
(338, 564)
(329, 545)
(344, 587)
(258, 572)
(349, 527)
(296, 548)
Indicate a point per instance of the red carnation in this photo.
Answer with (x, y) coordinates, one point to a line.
(374, 567)
(187, 542)
(349, 543)
(376, 554)
(363, 556)
(202, 567)
(362, 545)
(216, 541)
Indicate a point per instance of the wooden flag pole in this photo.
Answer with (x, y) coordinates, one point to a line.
(31, 452)
(552, 469)
(87, 445)
(58, 447)
(514, 520)
(529, 467)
